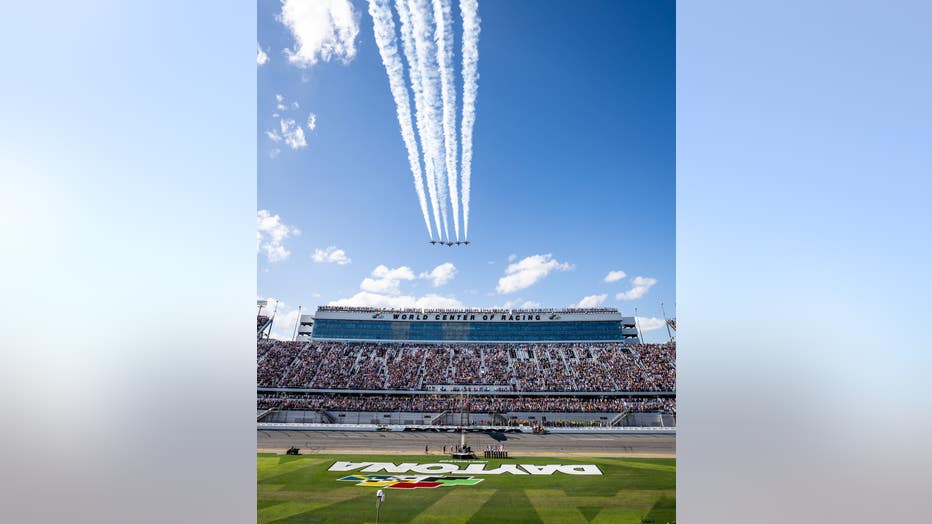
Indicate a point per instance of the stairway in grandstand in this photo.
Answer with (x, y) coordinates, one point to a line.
(420, 380)
(439, 418)
(569, 370)
(326, 416)
(616, 421)
(262, 415)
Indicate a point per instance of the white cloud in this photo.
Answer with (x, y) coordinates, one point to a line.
(520, 303)
(528, 271)
(331, 255)
(262, 57)
(322, 29)
(364, 298)
(441, 274)
(615, 276)
(285, 318)
(282, 105)
(650, 323)
(511, 258)
(386, 281)
(592, 301)
(271, 232)
(640, 286)
(274, 152)
(382, 288)
(293, 134)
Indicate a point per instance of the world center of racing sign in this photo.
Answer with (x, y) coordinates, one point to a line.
(391, 475)
(468, 316)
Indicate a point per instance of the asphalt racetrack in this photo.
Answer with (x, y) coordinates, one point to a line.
(385, 442)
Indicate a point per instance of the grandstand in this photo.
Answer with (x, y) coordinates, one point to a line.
(528, 368)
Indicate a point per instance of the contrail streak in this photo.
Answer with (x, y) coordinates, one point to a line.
(469, 12)
(427, 63)
(384, 29)
(414, 73)
(444, 38)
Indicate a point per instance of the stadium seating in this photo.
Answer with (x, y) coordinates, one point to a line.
(472, 404)
(520, 367)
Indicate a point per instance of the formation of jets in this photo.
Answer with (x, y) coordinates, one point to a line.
(449, 243)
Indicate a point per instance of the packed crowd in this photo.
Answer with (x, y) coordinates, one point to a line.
(474, 404)
(263, 346)
(588, 367)
(659, 362)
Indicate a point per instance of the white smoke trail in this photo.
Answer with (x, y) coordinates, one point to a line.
(414, 73)
(422, 21)
(384, 28)
(444, 38)
(469, 11)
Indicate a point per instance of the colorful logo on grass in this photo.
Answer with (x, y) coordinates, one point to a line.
(410, 481)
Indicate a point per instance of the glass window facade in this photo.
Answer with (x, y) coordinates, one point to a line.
(468, 331)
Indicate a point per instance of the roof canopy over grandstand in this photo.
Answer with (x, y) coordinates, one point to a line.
(472, 325)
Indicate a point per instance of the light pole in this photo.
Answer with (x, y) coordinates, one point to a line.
(379, 497)
(669, 335)
(296, 322)
(637, 327)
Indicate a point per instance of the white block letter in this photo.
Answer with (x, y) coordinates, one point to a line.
(347, 466)
(581, 469)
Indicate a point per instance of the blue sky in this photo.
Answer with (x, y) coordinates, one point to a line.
(573, 167)
(129, 164)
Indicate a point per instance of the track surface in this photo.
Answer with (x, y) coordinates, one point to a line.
(348, 442)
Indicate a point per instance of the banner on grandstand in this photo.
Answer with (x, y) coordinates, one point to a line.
(466, 388)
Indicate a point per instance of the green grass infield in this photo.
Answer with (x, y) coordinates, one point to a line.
(293, 489)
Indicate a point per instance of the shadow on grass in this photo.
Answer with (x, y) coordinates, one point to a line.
(589, 512)
(506, 506)
(332, 513)
(663, 511)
